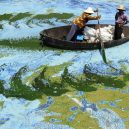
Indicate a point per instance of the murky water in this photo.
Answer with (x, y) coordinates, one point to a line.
(20, 19)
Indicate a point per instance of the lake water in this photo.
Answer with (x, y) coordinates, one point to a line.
(20, 23)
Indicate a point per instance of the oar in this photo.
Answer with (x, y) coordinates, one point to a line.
(102, 44)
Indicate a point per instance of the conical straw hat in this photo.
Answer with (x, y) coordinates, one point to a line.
(121, 7)
(89, 10)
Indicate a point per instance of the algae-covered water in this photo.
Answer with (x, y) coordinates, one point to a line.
(46, 88)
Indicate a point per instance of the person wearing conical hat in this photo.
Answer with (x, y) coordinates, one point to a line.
(120, 20)
(80, 22)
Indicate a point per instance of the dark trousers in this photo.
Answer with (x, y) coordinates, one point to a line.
(74, 31)
(118, 31)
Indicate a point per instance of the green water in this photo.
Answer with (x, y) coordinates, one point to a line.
(30, 74)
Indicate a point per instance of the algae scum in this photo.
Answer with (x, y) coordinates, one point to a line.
(47, 88)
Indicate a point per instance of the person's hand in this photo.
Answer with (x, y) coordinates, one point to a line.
(97, 10)
(98, 17)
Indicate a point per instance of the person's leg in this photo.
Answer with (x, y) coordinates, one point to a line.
(72, 32)
(118, 32)
(79, 31)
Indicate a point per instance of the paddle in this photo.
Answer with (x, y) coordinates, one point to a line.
(102, 50)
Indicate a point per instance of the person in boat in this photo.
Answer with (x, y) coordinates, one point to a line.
(80, 22)
(120, 20)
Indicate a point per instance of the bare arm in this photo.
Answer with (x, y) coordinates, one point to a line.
(89, 17)
(94, 17)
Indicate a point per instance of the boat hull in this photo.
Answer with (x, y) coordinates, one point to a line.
(54, 37)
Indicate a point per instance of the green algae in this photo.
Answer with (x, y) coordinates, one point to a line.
(46, 72)
(93, 85)
(62, 105)
(124, 68)
(1, 86)
(51, 86)
(3, 55)
(1, 103)
(111, 96)
(18, 89)
(44, 82)
(20, 16)
(6, 16)
(83, 119)
(54, 15)
(46, 18)
(27, 43)
(15, 17)
(21, 90)
(95, 96)
(50, 15)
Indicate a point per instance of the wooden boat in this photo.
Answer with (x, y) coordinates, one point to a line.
(54, 37)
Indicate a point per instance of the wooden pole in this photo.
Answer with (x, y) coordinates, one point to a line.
(102, 44)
